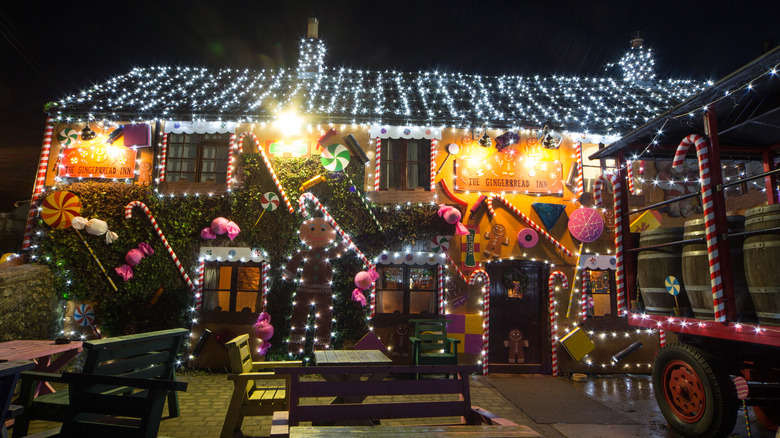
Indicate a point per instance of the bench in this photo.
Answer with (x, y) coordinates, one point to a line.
(430, 344)
(149, 355)
(431, 396)
(9, 375)
(113, 406)
(250, 397)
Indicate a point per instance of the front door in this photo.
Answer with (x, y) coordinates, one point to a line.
(519, 318)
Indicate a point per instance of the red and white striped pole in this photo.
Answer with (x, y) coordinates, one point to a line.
(455, 265)
(527, 220)
(584, 296)
(40, 181)
(480, 273)
(266, 283)
(231, 159)
(163, 158)
(553, 321)
(440, 288)
(129, 214)
(377, 171)
(702, 152)
(580, 176)
(620, 272)
(662, 338)
(433, 162)
(201, 279)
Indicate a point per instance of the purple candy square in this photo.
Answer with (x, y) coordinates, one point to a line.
(458, 324)
(473, 344)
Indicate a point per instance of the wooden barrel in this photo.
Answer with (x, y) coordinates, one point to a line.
(762, 253)
(696, 271)
(653, 266)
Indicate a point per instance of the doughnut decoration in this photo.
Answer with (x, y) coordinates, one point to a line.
(527, 238)
(586, 224)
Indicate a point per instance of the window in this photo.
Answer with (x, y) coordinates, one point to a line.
(234, 287)
(406, 164)
(197, 157)
(600, 286)
(406, 290)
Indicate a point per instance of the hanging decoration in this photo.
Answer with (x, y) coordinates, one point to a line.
(548, 213)
(553, 324)
(527, 220)
(516, 282)
(133, 258)
(335, 157)
(586, 224)
(477, 274)
(452, 216)
(527, 238)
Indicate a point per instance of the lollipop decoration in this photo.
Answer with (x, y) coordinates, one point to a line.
(452, 149)
(68, 137)
(59, 208)
(335, 157)
(84, 315)
(269, 202)
(672, 285)
(261, 150)
(586, 224)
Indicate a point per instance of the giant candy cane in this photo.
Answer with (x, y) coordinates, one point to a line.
(620, 273)
(40, 181)
(479, 273)
(232, 159)
(240, 147)
(580, 176)
(702, 152)
(129, 214)
(377, 170)
(433, 162)
(553, 322)
(201, 279)
(164, 158)
(527, 220)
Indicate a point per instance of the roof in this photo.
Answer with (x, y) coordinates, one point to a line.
(594, 105)
(747, 108)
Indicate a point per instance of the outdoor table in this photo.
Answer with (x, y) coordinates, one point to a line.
(354, 358)
(41, 352)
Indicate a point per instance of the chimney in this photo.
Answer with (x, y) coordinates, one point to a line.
(313, 28)
(637, 40)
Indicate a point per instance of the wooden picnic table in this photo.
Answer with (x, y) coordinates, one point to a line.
(462, 431)
(41, 353)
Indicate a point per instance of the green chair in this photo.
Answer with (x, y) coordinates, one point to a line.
(430, 344)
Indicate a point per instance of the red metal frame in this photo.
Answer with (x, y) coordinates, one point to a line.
(735, 331)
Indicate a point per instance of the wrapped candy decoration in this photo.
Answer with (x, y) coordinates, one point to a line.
(208, 233)
(221, 225)
(358, 296)
(263, 328)
(133, 258)
(453, 216)
(263, 348)
(95, 227)
(363, 280)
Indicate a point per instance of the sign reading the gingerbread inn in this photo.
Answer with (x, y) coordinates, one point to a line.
(98, 160)
(506, 173)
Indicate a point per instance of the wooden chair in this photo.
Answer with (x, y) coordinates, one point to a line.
(9, 375)
(255, 393)
(430, 344)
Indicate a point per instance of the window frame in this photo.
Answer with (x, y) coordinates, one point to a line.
(222, 140)
(403, 164)
(406, 288)
(233, 291)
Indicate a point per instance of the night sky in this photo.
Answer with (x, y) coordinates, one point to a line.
(51, 49)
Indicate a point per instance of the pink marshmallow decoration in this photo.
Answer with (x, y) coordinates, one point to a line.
(208, 233)
(263, 328)
(358, 296)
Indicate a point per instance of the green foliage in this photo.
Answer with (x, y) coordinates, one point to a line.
(181, 218)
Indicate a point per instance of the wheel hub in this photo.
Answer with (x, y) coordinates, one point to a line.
(684, 391)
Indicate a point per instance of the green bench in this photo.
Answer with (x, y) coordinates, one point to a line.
(149, 355)
(430, 344)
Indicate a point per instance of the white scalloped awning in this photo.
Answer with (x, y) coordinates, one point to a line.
(598, 262)
(228, 254)
(410, 258)
(202, 127)
(415, 132)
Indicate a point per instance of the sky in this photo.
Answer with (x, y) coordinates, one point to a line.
(50, 49)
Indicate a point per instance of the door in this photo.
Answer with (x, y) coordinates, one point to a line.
(519, 317)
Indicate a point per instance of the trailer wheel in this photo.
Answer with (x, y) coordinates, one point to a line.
(695, 395)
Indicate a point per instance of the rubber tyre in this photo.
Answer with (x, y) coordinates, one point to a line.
(695, 395)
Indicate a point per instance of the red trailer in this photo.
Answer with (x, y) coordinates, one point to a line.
(734, 129)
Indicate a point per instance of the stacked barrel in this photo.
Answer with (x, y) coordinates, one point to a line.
(762, 262)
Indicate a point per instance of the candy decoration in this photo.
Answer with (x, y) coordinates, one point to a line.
(630, 177)
(163, 155)
(129, 214)
(620, 274)
(311, 182)
(586, 224)
(527, 220)
(672, 285)
(40, 180)
(446, 188)
(269, 201)
(434, 150)
(84, 315)
(266, 284)
(553, 324)
(440, 244)
(355, 150)
(68, 137)
(201, 279)
(377, 171)
(232, 158)
(662, 338)
(702, 152)
(580, 176)
(260, 149)
(325, 137)
(452, 148)
(133, 258)
(479, 273)
(548, 213)
(335, 157)
(440, 288)
(59, 209)
(455, 265)
(584, 297)
(477, 205)
(527, 238)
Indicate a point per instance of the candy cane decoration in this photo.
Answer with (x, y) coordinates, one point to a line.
(455, 265)
(447, 191)
(240, 146)
(164, 158)
(129, 214)
(377, 171)
(662, 338)
(702, 152)
(620, 273)
(480, 273)
(440, 288)
(584, 296)
(630, 178)
(553, 323)
(266, 283)
(580, 177)
(40, 181)
(433, 162)
(527, 220)
(201, 279)
(331, 221)
(231, 159)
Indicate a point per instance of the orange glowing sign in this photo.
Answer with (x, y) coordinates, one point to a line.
(97, 160)
(509, 173)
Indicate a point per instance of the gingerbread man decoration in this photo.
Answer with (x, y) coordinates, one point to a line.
(145, 173)
(314, 287)
(516, 343)
(495, 238)
(398, 340)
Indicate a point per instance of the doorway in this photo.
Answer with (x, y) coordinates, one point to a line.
(519, 317)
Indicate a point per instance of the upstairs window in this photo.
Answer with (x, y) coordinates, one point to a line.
(405, 164)
(406, 290)
(197, 158)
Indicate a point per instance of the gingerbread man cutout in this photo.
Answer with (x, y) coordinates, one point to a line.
(398, 340)
(516, 343)
(495, 238)
(145, 173)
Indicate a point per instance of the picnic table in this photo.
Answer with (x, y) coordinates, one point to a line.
(41, 352)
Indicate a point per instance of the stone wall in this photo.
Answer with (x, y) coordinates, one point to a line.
(28, 303)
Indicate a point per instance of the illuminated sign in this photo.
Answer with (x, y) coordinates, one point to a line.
(98, 160)
(295, 148)
(509, 173)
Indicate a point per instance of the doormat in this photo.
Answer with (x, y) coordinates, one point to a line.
(550, 400)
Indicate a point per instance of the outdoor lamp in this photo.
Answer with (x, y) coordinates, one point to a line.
(87, 134)
(485, 141)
